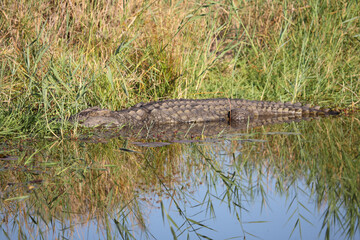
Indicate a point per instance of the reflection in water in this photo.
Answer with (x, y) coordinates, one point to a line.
(294, 180)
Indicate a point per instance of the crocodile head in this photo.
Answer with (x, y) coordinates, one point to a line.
(93, 117)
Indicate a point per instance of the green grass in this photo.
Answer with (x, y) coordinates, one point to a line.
(60, 57)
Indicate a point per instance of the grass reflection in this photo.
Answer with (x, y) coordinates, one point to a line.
(52, 188)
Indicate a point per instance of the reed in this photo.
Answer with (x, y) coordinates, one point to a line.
(60, 57)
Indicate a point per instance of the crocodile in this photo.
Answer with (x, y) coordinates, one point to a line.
(196, 111)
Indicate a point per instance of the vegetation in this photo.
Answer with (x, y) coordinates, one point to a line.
(59, 57)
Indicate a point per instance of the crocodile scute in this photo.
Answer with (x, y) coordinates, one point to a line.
(195, 111)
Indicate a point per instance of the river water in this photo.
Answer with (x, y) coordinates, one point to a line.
(295, 180)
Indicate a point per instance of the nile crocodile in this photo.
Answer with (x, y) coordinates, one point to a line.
(195, 111)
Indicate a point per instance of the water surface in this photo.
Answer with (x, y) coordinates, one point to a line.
(297, 180)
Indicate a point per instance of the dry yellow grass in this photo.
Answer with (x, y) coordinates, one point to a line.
(59, 57)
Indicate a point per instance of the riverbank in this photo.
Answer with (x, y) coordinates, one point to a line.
(60, 57)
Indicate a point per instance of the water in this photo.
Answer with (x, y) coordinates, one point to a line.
(287, 181)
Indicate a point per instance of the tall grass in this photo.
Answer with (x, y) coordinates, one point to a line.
(58, 57)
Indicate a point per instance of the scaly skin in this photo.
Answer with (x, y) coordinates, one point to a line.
(189, 110)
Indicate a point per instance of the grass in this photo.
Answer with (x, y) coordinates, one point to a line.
(60, 57)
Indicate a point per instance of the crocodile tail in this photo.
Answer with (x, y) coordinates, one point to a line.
(331, 112)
